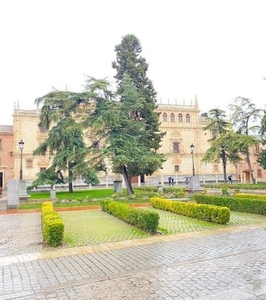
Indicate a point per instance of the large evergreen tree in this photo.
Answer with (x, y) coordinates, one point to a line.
(65, 141)
(120, 127)
(130, 62)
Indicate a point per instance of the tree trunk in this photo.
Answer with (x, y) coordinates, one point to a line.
(224, 165)
(70, 179)
(127, 181)
(250, 168)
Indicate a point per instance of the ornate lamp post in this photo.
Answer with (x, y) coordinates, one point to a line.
(21, 146)
(192, 147)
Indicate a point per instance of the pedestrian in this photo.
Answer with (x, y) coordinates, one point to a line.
(230, 178)
(169, 180)
(172, 179)
(187, 181)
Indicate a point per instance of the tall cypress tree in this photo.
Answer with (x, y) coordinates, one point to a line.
(130, 62)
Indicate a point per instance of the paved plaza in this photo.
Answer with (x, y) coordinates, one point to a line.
(228, 263)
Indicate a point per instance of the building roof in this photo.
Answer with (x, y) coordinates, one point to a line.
(6, 128)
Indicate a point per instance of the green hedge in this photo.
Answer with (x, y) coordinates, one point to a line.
(250, 196)
(142, 219)
(254, 206)
(52, 225)
(209, 213)
(237, 186)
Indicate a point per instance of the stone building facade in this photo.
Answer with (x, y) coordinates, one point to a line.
(182, 124)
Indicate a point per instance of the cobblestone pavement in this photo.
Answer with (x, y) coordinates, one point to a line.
(221, 264)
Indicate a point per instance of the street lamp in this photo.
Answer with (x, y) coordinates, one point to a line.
(21, 145)
(224, 162)
(192, 147)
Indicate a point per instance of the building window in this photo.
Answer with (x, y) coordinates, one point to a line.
(259, 175)
(29, 163)
(176, 147)
(164, 117)
(215, 168)
(177, 168)
(257, 149)
(172, 117)
(42, 169)
(0, 144)
(187, 118)
(180, 118)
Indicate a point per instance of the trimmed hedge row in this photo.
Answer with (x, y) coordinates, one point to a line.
(209, 213)
(250, 196)
(52, 225)
(238, 186)
(254, 206)
(142, 219)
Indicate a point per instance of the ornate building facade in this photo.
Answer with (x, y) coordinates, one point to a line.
(182, 124)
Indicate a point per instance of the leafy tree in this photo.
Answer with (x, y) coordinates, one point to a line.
(65, 139)
(245, 118)
(132, 154)
(130, 62)
(234, 144)
(217, 123)
(218, 126)
(262, 159)
(49, 176)
(121, 127)
(262, 155)
(225, 144)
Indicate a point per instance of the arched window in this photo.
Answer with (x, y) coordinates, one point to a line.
(187, 118)
(180, 118)
(164, 117)
(176, 147)
(172, 117)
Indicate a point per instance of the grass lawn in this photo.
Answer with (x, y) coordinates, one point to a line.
(86, 228)
(84, 198)
(96, 227)
(94, 193)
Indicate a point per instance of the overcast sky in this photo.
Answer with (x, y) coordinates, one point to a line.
(214, 49)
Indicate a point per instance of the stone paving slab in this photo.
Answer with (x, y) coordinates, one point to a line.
(222, 264)
(20, 233)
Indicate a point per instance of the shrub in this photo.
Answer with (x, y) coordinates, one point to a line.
(225, 191)
(142, 219)
(209, 213)
(52, 225)
(249, 205)
(250, 196)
